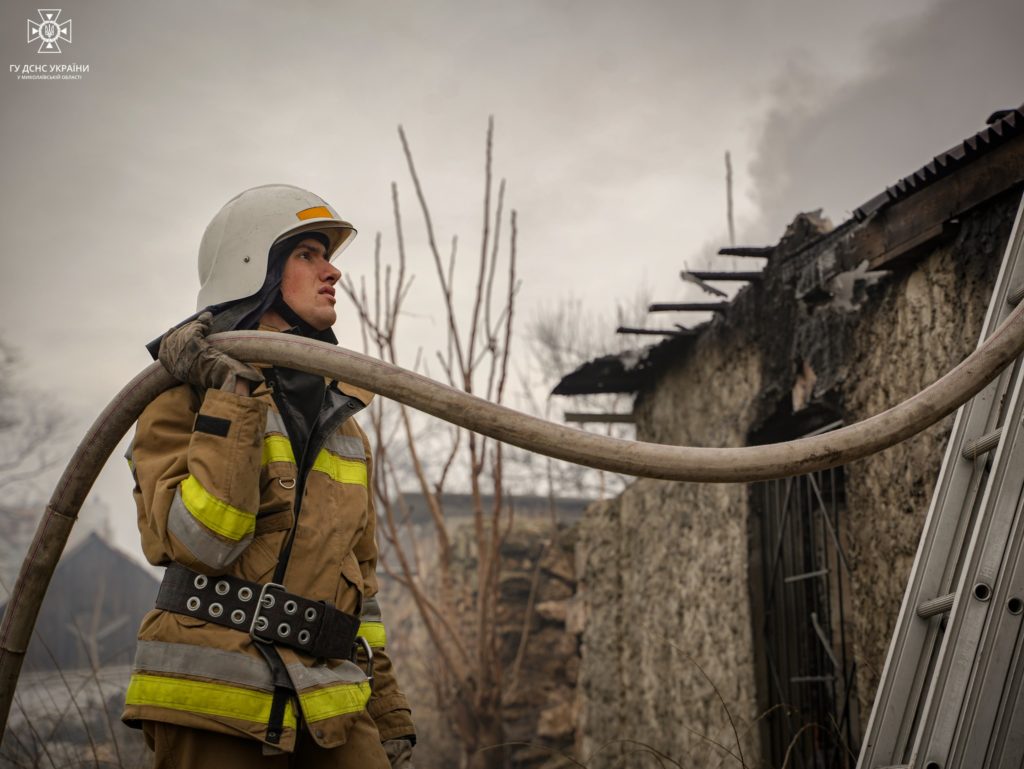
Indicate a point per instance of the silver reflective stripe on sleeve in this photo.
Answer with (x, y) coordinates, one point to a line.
(203, 662)
(371, 624)
(371, 610)
(348, 446)
(201, 542)
(275, 424)
(320, 675)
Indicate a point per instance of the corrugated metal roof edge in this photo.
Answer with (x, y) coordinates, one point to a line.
(1009, 124)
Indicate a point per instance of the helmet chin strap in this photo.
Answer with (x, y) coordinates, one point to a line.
(301, 327)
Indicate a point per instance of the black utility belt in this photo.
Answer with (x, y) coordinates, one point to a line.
(267, 612)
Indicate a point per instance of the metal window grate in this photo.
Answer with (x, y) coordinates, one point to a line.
(809, 672)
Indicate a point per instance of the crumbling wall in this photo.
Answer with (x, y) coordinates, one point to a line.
(663, 571)
(664, 566)
(923, 324)
(538, 628)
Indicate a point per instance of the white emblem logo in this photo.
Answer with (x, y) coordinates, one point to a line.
(49, 30)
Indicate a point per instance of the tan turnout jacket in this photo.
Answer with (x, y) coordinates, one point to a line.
(219, 500)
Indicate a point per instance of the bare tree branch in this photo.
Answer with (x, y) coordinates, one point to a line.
(446, 288)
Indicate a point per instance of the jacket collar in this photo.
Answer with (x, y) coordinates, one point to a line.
(360, 394)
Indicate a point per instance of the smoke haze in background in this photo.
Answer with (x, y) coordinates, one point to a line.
(612, 120)
(929, 83)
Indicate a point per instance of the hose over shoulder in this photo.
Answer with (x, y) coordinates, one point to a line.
(679, 463)
(649, 460)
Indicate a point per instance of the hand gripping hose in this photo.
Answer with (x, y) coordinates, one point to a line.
(678, 463)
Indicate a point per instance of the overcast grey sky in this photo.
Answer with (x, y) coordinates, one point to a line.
(612, 119)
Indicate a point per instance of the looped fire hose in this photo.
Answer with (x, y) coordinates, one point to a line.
(678, 463)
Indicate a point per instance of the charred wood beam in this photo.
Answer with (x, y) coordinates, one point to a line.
(590, 418)
(747, 277)
(680, 331)
(761, 251)
(707, 288)
(909, 251)
(690, 307)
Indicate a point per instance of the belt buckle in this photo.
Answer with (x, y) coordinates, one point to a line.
(264, 601)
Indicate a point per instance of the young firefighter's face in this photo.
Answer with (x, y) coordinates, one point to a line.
(307, 284)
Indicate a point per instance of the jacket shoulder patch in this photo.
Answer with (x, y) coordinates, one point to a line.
(212, 425)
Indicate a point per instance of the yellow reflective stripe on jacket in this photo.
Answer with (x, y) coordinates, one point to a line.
(341, 470)
(374, 633)
(215, 514)
(203, 697)
(277, 448)
(334, 701)
(214, 551)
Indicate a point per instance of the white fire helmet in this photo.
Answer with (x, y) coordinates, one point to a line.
(235, 247)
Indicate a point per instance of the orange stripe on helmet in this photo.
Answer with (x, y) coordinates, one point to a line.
(316, 212)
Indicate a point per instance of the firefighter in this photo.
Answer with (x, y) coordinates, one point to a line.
(254, 488)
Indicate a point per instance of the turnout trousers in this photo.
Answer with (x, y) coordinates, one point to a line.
(180, 747)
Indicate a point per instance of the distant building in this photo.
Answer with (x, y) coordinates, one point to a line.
(92, 610)
(17, 525)
(460, 506)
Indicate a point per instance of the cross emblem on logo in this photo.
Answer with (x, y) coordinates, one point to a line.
(49, 30)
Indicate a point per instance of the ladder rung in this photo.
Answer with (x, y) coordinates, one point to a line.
(939, 605)
(984, 444)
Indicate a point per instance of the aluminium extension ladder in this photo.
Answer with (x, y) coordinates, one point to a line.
(951, 694)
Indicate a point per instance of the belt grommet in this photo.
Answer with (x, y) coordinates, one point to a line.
(200, 581)
(193, 603)
(290, 607)
(268, 601)
(303, 637)
(222, 587)
(244, 594)
(261, 624)
(215, 609)
(284, 630)
(310, 614)
(238, 616)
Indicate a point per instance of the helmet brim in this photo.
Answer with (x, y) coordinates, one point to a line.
(339, 233)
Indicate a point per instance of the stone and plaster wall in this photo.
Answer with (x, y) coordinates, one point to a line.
(664, 584)
(541, 707)
(920, 327)
(664, 567)
(538, 594)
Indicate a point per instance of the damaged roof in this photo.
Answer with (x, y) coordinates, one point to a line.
(633, 370)
(1002, 126)
(618, 373)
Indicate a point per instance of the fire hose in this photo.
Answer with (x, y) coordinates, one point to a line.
(675, 463)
